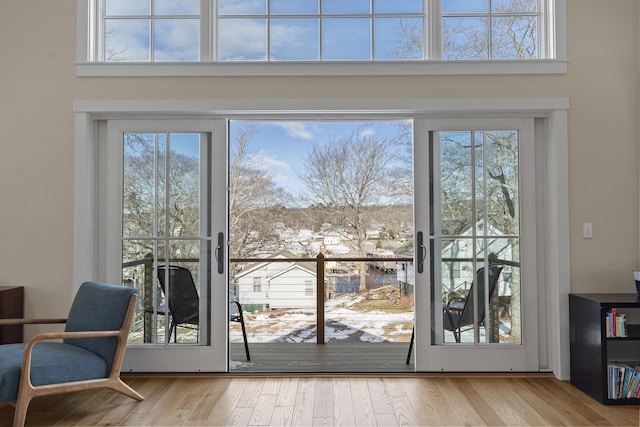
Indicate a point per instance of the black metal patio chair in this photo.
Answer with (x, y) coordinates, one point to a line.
(457, 314)
(184, 302)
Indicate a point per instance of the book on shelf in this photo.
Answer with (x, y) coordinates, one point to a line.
(615, 324)
(623, 380)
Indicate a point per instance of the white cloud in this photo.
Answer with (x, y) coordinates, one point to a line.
(366, 133)
(278, 169)
(271, 163)
(242, 39)
(242, 7)
(295, 129)
(177, 39)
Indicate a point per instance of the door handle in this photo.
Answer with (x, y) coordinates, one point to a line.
(219, 253)
(421, 251)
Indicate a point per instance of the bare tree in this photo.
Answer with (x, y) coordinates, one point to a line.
(346, 175)
(254, 198)
(145, 187)
(511, 33)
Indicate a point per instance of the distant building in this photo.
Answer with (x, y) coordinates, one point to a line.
(278, 284)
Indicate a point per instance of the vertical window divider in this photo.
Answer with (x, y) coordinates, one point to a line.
(208, 18)
(167, 249)
(432, 29)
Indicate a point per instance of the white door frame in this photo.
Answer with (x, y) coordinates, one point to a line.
(432, 354)
(551, 115)
(210, 354)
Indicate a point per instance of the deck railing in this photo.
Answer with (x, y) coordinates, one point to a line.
(383, 263)
(148, 278)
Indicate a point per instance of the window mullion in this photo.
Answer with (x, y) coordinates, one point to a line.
(208, 16)
(432, 49)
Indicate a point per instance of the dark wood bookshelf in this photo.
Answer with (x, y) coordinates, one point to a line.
(592, 350)
(11, 307)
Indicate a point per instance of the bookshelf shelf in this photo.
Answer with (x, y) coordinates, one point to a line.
(596, 357)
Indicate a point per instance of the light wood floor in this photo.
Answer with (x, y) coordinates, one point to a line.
(336, 401)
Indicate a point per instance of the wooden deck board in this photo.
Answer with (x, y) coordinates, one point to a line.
(328, 358)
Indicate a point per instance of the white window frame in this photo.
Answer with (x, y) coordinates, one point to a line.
(553, 46)
(308, 288)
(257, 284)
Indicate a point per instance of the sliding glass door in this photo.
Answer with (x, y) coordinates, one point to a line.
(172, 247)
(476, 227)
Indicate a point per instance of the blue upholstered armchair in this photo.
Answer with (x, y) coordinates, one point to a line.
(89, 356)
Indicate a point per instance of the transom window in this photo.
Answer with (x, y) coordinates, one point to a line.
(319, 30)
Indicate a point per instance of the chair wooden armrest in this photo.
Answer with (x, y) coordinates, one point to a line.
(26, 359)
(5, 322)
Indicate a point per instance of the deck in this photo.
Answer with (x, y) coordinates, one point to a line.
(304, 358)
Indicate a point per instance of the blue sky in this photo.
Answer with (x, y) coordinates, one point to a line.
(282, 145)
(294, 32)
(297, 30)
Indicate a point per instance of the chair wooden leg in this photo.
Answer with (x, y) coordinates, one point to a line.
(123, 388)
(413, 331)
(25, 394)
(20, 414)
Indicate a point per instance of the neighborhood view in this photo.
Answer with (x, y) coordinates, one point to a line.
(334, 197)
(342, 189)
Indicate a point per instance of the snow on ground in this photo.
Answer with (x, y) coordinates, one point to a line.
(342, 323)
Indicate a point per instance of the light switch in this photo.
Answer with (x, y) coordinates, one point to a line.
(587, 230)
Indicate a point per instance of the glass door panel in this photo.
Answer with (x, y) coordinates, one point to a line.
(162, 208)
(475, 236)
(472, 191)
(168, 177)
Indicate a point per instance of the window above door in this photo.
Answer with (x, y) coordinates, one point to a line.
(313, 37)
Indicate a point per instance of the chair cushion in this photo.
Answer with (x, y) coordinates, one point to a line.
(98, 307)
(51, 363)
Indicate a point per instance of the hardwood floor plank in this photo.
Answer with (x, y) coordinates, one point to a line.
(271, 386)
(212, 395)
(379, 396)
(305, 402)
(455, 394)
(323, 399)
(483, 408)
(263, 410)
(429, 406)
(177, 403)
(251, 393)
(287, 392)
(395, 386)
(386, 420)
(228, 402)
(363, 410)
(282, 416)
(404, 411)
(343, 413)
(507, 405)
(239, 416)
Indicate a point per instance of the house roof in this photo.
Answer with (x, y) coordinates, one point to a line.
(309, 266)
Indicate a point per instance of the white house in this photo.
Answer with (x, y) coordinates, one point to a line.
(278, 284)
(456, 267)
